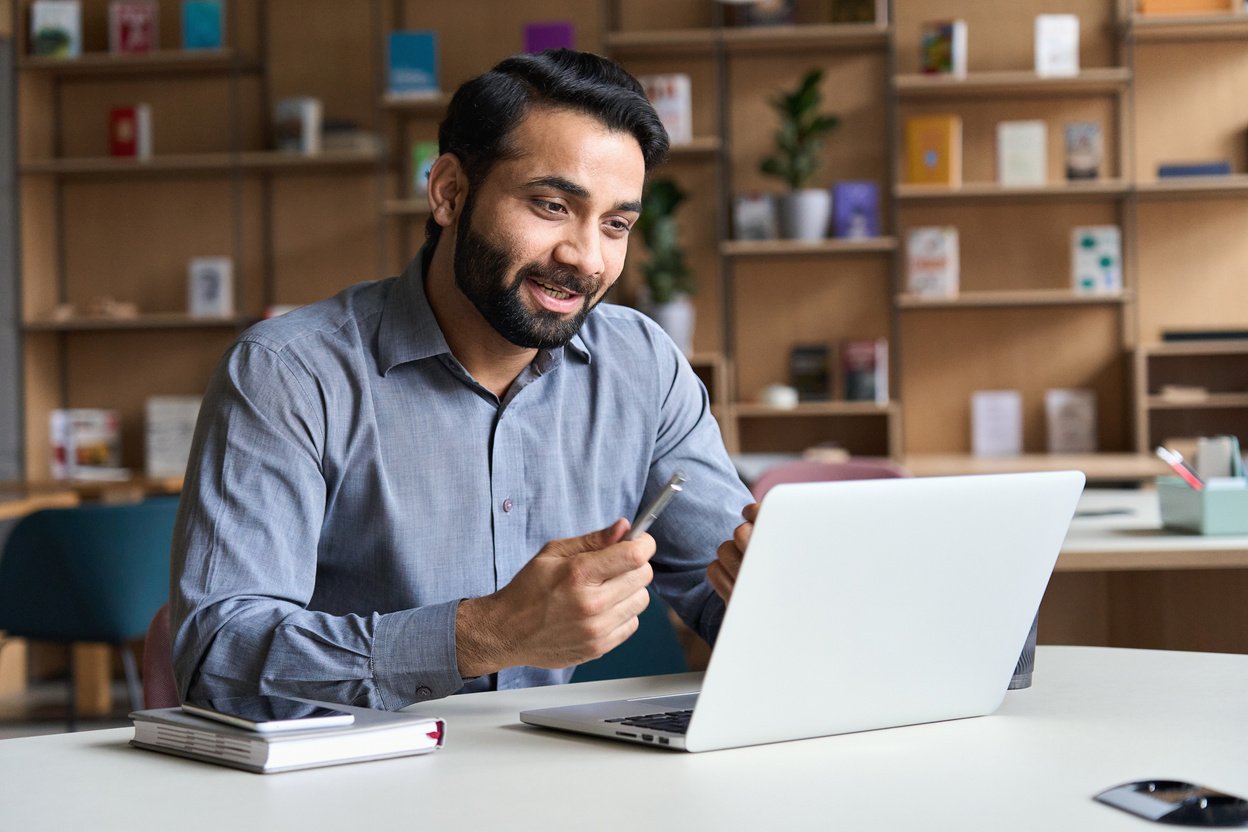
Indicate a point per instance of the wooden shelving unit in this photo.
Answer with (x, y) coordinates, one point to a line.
(998, 299)
(798, 248)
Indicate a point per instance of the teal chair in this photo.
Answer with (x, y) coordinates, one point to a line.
(652, 650)
(95, 573)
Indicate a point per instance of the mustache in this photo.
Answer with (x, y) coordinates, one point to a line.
(563, 278)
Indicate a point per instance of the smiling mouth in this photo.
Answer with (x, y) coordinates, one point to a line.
(554, 291)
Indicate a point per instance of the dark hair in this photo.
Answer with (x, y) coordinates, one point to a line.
(484, 111)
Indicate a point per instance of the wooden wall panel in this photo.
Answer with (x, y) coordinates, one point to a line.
(946, 354)
(37, 270)
(633, 15)
(42, 384)
(860, 435)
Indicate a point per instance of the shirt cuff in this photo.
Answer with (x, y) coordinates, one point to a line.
(414, 658)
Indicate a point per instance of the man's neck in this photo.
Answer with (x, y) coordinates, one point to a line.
(488, 357)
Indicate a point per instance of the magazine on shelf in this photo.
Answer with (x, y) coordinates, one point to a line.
(56, 28)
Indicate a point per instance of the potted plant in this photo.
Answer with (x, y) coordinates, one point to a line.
(668, 281)
(804, 212)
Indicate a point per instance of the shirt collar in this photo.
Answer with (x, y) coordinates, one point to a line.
(409, 331)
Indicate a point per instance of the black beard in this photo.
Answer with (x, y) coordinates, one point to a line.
(480, 267)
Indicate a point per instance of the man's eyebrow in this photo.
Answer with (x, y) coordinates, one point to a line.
(570, 188)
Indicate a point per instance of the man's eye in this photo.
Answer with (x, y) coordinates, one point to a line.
(548, 206)
(619, 226)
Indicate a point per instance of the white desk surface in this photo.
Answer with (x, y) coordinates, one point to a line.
(1132, 538)
(1096, 717)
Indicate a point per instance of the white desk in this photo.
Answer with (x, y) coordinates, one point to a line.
(1095, 718)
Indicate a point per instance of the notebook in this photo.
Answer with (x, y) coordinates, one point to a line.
(863, 605)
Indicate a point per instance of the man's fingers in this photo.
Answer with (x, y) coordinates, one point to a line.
(741, 537)
(750, 512)
(720, 580)
(591, 542)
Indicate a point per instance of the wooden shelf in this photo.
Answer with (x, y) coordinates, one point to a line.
(1157, 28)
(1210, 347)
(1007, 299)
(161, 63)
(800, 248)
(1213, 401)
(1105, 467)
(1098, 189)
(808, 36)
(699, 147)
(661, 42)
(433, 106)
(161, 320)
(749, 410)
(1095, 81)
(1179, 187)
(262, 161)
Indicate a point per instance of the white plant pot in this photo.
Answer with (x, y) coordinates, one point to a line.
(676, 319)
(804, 214)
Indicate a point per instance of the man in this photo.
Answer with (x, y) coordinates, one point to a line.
(392, 494)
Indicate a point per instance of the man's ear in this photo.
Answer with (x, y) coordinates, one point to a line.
(448, 189)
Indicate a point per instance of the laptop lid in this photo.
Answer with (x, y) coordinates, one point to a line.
(877, 603)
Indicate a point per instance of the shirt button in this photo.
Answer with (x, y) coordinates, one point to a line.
(508, 505)
(423, 692)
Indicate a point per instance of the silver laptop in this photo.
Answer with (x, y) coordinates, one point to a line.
(862, 605)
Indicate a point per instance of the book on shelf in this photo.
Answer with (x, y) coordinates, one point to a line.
(1070, 421)
(672, 99)
(424, 154)
(1096, 259)
(864, 368)
(297, 123)
(855, 210)
(753, 217)
(549, 34)
(130, 131)
(996, 423)
(1188, 6)
(210, 287)
(133, 27)
(942, 48)
(203, 24)
(933, 150)
(1217, 167)
(1022, 153)
(932, 261)
(412, 64)
(810, 371)
(86, 444)
(1057, 45)
(374, 735)
(1085, 150)
(56, 28)
(1188, 335)
(169, 426)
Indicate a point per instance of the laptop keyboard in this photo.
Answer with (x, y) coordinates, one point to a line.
(675, 722)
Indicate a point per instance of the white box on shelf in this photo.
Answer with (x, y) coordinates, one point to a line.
(86, 444)
(932, 262)
(1070, 421)
(297, 124)
(754, 217)
(170, 426)
(1022, 153)
(210, 287)
(1057, 45)
(996, 422)
(672, 98)
(1096, 259)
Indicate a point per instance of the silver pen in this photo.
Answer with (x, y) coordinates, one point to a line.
(651, 512)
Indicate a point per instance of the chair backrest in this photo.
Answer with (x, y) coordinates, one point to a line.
(652, 650)
(160, 690)
(806, 470)
(90, 573)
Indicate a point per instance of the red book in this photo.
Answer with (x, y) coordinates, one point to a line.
(130, 131)
(132, 26)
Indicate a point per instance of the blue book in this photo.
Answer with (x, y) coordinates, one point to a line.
(413, 64)
(202, 24)
(855, 210)
(1218, 168)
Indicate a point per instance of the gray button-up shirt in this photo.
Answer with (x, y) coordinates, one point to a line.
(350, 483)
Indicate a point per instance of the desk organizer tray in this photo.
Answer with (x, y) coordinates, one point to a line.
(1211, 511)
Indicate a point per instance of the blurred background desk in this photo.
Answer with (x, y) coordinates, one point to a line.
(1124, 581)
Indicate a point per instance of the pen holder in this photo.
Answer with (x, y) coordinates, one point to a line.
(1211, 511)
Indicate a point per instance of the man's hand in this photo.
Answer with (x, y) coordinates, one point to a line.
(576, 600)
(722, 573)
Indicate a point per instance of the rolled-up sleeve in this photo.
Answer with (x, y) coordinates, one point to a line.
(245, 559)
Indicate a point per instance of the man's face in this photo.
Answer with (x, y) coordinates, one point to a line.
(543, 238)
